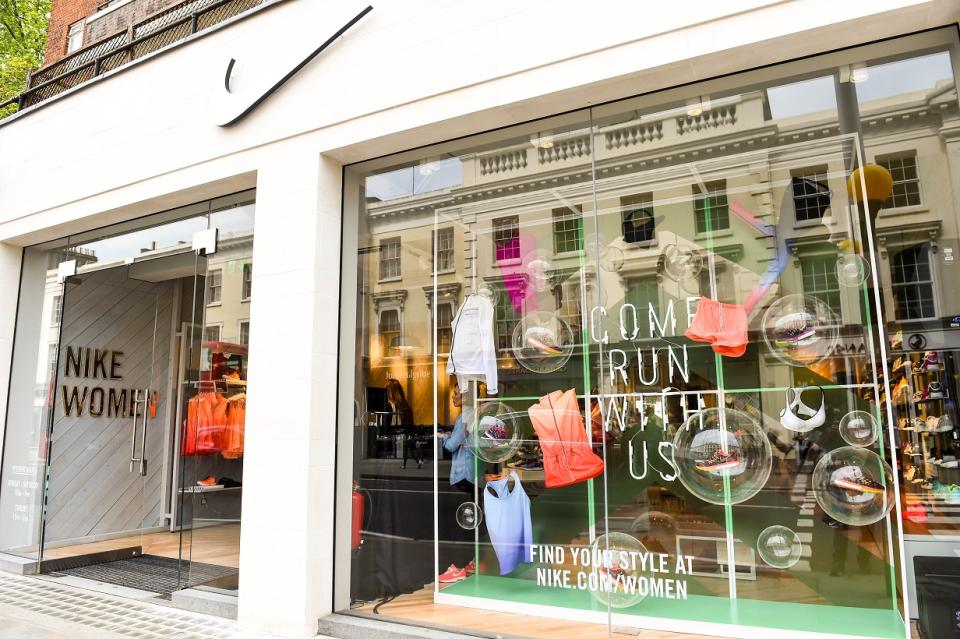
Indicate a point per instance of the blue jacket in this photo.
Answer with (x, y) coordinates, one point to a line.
(464, 465)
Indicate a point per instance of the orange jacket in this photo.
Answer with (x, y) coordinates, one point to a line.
(567, 457)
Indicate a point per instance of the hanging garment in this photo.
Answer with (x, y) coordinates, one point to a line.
(206, 420)
(463, 466)
(473, 354)
(233, 431)
(724, 326)
(507, 513)
(567, 456)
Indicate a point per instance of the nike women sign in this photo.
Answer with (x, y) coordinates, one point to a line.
(232, 103)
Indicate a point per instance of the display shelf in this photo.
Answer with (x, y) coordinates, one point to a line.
(208, 489)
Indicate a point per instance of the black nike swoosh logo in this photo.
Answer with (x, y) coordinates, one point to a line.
(253, 104)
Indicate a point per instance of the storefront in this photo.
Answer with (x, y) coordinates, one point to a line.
(656, 364)
(123, 461)
(654, 327)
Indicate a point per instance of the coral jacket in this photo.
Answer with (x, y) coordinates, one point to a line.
(567, 456)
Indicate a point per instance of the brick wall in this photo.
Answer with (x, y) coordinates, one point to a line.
(63, 13)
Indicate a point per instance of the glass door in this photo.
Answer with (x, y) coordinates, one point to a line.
(212, 414)
(104, 482)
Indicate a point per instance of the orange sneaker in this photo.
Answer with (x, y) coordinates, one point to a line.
(207, 481)
(452, 575)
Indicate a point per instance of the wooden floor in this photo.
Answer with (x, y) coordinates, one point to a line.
(218, 545)
(419, 607)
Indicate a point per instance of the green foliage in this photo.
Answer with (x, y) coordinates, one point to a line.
(23, 37)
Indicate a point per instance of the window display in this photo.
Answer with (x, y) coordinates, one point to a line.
(680, 387)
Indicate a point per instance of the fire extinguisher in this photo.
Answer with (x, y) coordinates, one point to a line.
(359, 503)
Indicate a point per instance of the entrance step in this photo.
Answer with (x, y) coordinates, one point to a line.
(17, 565)
(341, 626)
(205, 602)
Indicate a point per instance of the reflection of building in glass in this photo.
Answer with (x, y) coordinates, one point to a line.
(498, 211)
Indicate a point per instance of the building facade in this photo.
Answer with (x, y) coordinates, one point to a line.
(564, 322)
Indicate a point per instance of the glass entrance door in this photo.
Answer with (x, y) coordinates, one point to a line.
(104, 479)
(212, 412)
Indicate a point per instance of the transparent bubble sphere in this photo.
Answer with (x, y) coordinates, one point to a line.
(610, 258)
(779, 547)
(853, 485)
(681, 263)
(800, 330)
(494, 431)
(859, 428)
(723, 456)
(852, 270)
(538, 266)
(469, 515)
(542, 342)
(657, 531)
(615, 578)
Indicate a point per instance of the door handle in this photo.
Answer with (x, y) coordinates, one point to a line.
(133, 435)
(143, 432)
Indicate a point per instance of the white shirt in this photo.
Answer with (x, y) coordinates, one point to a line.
(473, 354)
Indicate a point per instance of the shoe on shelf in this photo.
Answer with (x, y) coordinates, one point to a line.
(934, 391)
(897, 364)
(452, 574)
(470, 568)
(899, 392)
(926, 485)
(210, 480)
(921, 396)
(930, 361)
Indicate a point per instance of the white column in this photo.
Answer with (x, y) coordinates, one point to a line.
(10, 257)
(286, 540)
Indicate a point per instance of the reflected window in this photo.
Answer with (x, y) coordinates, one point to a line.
(247, 281)
(906, 181)
(506, 238)
(51, 362)
(443, 249)
(637, 218)
(643, 294)
(913, 283)
(819, 274)
(505, 313)
(244, 332)
(211, 333)
(811, 197)
(215, 286)
(389, 329)
(567, 229)
(444, 327)
(390, 259)
(56, 313)
(711, 212)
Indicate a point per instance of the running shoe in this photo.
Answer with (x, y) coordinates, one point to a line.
(470, 568)
(543, 341)
(494, 429)
(930, 361)
(934, 391)
(452, 574)
(209, 480)
(856, 482)
(794, 329)
(718, 461)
